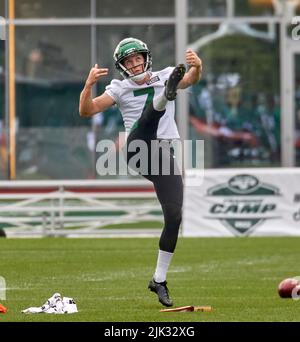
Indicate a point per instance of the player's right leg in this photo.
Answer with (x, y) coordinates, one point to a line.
(169, 190)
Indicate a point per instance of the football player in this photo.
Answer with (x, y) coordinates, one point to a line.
(146, 101)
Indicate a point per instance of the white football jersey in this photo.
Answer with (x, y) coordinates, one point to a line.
(131, 99)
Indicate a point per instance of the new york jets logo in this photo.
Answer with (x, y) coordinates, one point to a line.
(243, 183)
(242, 203)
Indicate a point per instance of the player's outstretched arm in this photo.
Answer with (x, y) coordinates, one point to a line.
(193, 75)
(89, 106)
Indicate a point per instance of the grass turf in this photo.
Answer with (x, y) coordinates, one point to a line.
(108, 278)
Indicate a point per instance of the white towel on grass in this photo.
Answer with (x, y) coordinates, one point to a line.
(55, 305)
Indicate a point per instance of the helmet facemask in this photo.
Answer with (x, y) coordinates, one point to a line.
(128, 47)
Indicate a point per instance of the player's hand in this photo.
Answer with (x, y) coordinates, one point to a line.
(95, 74)
(192, 59)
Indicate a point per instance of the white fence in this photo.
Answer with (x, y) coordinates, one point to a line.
(77, 208)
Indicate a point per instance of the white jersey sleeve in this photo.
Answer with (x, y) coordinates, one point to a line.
(114, 90)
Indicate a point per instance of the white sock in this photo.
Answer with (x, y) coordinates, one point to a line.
(163, 262)
(160, 101)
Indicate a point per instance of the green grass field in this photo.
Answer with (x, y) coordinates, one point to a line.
(108, 278)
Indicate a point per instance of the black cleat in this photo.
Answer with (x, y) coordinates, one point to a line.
(171, 84)
(162, 292)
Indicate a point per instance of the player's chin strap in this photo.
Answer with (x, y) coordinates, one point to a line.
(139, 77)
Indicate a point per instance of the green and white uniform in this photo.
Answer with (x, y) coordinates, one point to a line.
(143, 122)
(132, 98)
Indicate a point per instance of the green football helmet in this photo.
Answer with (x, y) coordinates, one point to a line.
(127, 47)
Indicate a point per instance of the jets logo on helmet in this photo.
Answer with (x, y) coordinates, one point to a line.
(127, 47)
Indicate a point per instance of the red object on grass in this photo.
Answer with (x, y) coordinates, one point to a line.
(286, 287)
(188, 308)
(3, 309)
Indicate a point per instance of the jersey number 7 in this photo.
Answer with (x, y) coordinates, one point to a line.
(149, 91)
